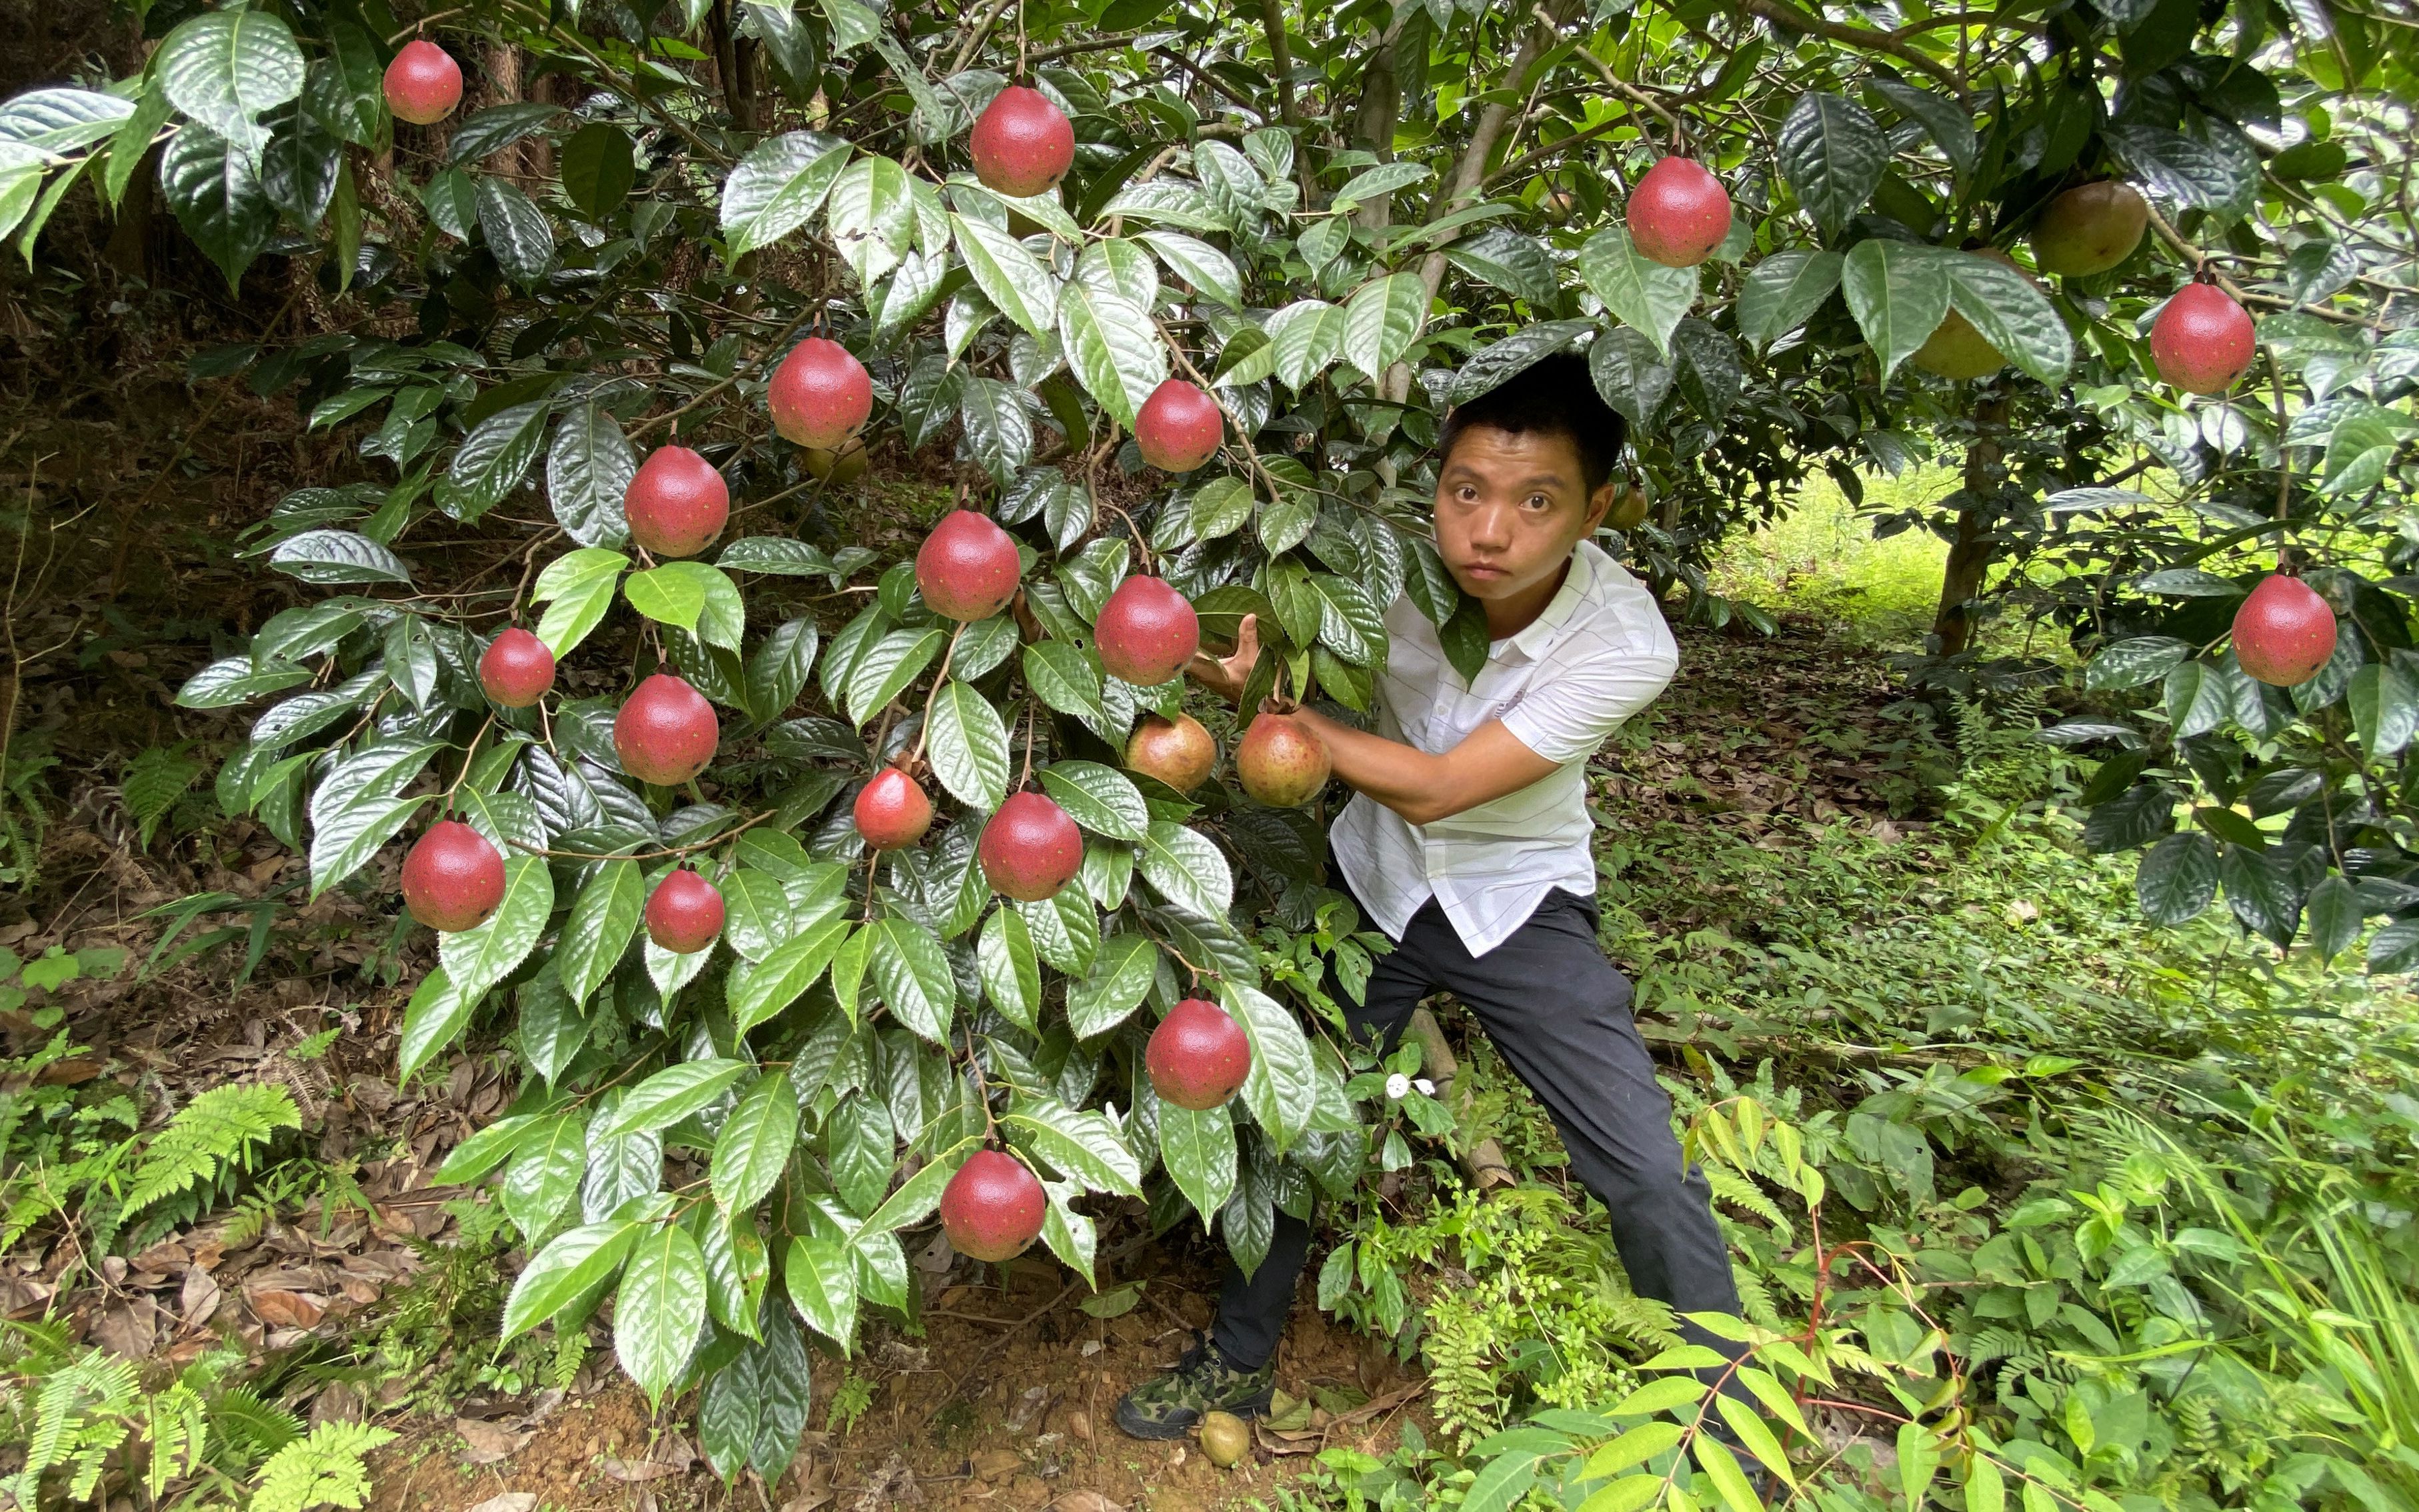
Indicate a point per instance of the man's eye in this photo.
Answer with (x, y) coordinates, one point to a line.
(1538, 500)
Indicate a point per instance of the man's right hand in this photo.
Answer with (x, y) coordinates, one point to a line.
(1226, 675)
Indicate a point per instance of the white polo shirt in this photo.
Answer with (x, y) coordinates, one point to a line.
(1598, 653)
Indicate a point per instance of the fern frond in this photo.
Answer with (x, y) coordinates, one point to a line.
(250, 1428)
(79, 1417)
(154, 781)
(178, 1428)
(322, 1470)
(1739, 1192)
(220, 1128)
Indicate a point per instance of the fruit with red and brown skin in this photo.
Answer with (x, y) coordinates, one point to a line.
(424, 84)
(516, 670)
(821, 394)
(1178, 427)
(1280, 762)
(2202, 341)
(1955, 350)
(1176, 751)
(665, 731)
(2284, 632)
(967, 569)
(1678, 213)
(1030, 848)
(452, 878)
(992, 1207)
(676, 503)
(2089, 229)
(1147, 632)
(892, 810)
(1198, 1055)
(685, 912)
(1022, 145)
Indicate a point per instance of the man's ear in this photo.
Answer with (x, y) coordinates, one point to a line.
(1598, 502)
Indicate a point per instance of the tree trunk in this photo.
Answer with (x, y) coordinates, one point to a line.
(1970, 553)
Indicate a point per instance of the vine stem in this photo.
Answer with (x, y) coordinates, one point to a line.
(780, 342)
(667, 853)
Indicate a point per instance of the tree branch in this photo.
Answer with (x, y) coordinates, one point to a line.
(1781, 13)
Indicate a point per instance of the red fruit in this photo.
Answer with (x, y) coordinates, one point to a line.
(453, 879)
(665, 731)
(1178, 427)
(1198, 1055)
(2202, 341)
(892, 810)
(677, 502)
(820, 395)
(2284, 632)
(1282, 761)
(1678, 213)
(992, 1207)
(967, 569)
(1021, 144)
(685, 912)
(516, 670)
(1147, 632)
(424, 84)
(1030, 849)
(1176, 751)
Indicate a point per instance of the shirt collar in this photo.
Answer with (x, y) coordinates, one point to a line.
(1533, 641)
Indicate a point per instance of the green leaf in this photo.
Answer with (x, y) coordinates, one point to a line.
(1187, 869)
(574, 1265)
(1112, 347)
(1899, 293)
(1637, 290)
(1121, 973)
(1065, 678)
(757, 913)
(1832, 152)
(1784, 291)
(544, 1174)
(920, 1194)
(598, 169)
(691, 596)
(60, 121)
(1382, 320)
(516, 231)
(1019, 286)
(1012, 976)
(1100, 798)
(226, 68)
(597, 933)
(2011, 313)
(968, 745)
(343, 843)
(1210, 271)
(1070, 1235)
(476, 960)
(435, 1015)
(660, 1308)
(1303, 338)
(213, 188)
(2384, 710)
(913, 976)
(1514, 263)
(1282, 1088)
(588, 469)
(2132, 661)
(1372, 184)
(1198, 1149)
(1084, 1146)
(889, 666)
(671, 1095)
(872, 216)
(495, 455)
(758, 990)
(1757, 1436)
(863, 1146)
(755, 1144)
(821, 1284)
(1634, 1447)
(2194, 174)
(778, 673)
(488, 1148)
(1730, 1483)
(778, 188)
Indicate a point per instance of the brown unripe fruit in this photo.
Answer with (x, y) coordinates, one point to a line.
(516, 670)
(2284, 632)
(1176, 751)
(820, 396)
(685, 912)
(676, 503)
(665, 731)
(2089, 229)
(424, 84)
(1198, 1057)
(1178, 427)
(1022, 145)
(2202, 341)
(453, 879)
(1678, 213)
(992, 1207)
(837, 468)
(892, 810)
(1629, 506)
(1030, 848)
(1280, 761)
(1147, 632)
(1226, 1438)
(967, 569)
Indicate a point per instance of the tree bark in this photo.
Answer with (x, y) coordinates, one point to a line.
(1379, 110)
(1971, 552)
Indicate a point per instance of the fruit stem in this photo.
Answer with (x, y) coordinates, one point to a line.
(1026, 775)
(468, 754)
(938, 678)
(2284, 463)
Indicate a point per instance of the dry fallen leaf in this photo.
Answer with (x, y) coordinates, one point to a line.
(487, 1442)
(635, 1470)
(1084, 1501)
(508, 1502)
(286, 1309)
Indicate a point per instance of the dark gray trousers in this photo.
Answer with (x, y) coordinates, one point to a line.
(1559, 1015)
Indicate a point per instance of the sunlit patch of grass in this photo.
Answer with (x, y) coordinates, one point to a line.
(1822, 557)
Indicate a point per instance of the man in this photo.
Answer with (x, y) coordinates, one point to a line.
(1467, 843)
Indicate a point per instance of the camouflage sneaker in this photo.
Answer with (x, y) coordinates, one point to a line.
(1168, 1404)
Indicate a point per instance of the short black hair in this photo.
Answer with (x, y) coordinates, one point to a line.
(1553, 397)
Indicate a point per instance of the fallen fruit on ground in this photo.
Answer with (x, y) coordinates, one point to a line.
(1176, 751)
(892, 810)
(1226, 1438)
(1678, 213)
(2202, 341)
(1178, 427)
(1280, 760)
(665, 731)
(2284, 632)
(967, 569)
(1021, 144)
(1147, 632)
(1030, 848)
(424, 84)
(820, 396)
(685, 912)
(2089, 229)
(992, 1207)
(516, 670)
(452, 878)
(676, 503)
(1198, 1057)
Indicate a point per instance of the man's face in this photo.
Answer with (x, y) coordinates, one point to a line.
(1509, 508)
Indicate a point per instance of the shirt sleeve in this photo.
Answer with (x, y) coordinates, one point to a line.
(1591, 682)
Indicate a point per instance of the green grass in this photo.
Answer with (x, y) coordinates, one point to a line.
(1822, 557)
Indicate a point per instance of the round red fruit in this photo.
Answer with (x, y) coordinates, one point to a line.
(1147, 632)
(1679, 214)
(2202, 341)
(821, 394)
(1022, 145)
(1030, 848)
(665, 731)
(1178, 427)
(453, 879)
(892, 812)
(677, 502)
(992, 1207)
(516, 671)
(2284, 632)
(1198, 1057)
(967, 569)
(424, 84)
(685, 912)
